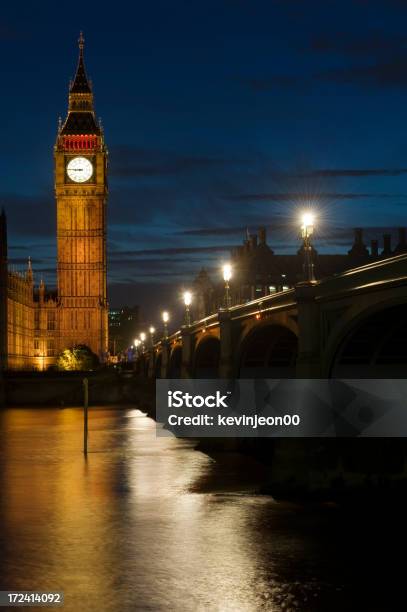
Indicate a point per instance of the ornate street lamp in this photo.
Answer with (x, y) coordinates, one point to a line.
(187, 301)
(152, 332)
(166, 318)
(227, 275)
(142, 341)
(307, 229)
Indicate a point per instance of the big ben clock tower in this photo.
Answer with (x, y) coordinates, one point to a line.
(81, 192)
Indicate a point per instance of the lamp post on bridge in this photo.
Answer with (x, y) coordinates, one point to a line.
(307, 229)
(227, 275)
(165, 318)
(152, 332)
(136, 346)
(142, 341)
(187, 301)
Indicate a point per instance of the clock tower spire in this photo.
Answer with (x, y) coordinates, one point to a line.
(80, 84)
(81, 115)
(81, 192)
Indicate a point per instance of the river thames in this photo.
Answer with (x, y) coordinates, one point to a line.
(147, 523)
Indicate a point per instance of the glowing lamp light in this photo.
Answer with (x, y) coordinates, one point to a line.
(165, 316)
(307, 224)
(142, 337)
(187, 298)
(227, 272)
(152, 330)
(308, 219)
(136, 342)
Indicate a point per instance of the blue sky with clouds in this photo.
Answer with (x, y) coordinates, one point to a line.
(218, 115)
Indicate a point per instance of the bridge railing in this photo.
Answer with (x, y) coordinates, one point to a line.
(371, 276)
(264, 304)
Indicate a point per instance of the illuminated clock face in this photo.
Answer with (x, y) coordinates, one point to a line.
(79, 169)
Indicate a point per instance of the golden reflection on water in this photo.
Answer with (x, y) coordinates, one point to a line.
(134, 526)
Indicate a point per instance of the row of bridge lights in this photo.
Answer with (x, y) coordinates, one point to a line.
(307, 229)
(187, 298)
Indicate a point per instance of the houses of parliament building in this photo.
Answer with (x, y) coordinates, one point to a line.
(36, 325)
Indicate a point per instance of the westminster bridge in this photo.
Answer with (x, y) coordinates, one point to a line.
(352, 324)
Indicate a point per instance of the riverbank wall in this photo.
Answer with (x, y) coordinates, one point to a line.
(58, 389)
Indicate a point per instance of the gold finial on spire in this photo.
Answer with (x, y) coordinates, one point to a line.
(81, 41)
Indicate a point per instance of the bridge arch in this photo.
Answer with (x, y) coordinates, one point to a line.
(206, 357)
(372, 345)
(175, 362)
(268, 350)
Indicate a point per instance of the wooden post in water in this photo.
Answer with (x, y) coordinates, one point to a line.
(85, 415)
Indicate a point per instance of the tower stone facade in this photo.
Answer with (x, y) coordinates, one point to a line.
(36, 324)
(81, 191)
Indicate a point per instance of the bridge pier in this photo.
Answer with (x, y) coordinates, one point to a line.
(187, 353)
(309, 343)
(226, 369)
(165, 358)
(151, 363)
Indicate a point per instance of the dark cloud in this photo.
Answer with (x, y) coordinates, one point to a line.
(353, 172)
(343, 237)
(386, 4)
(187, 274)
(377, 74)
(137, 204)
(176, 250)
(213, 231)
(301, 196)
(153, 261)
(274, 82)
(377, 58)
(391, 73)
(131, 161)
(373, 43)
(233, 231)
(30, 247)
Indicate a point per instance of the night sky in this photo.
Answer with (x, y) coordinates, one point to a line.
(218, 115)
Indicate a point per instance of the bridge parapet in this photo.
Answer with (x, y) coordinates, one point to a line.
(373, 276)
(275, 301)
